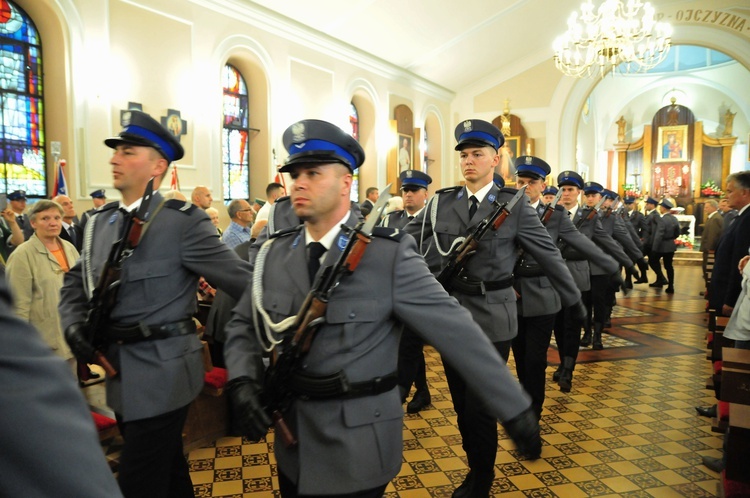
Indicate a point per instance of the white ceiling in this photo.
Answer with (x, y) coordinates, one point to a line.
(451, 43)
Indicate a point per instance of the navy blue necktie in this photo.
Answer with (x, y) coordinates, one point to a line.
(473, 207)
(316, 250)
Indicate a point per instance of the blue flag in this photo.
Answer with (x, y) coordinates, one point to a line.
(61, 186)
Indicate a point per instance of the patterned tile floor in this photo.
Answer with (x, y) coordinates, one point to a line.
(628, 428)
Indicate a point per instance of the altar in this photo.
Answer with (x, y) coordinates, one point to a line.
(687, 220)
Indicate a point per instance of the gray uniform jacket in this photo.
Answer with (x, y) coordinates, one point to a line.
(631, 231)
(648, 228)
(159, 284)
(50, 446)
(580, 250)
(636, 219)
(352, 444)
(592, 228)
(667, 229)
(399, 219)
(496, 255)
(615, 226)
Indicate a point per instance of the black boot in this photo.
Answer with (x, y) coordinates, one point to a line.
(586, 339)
(566, 376)
(598, 346)
(464, 490)
(419, 401)
(482, 485)
(556, 375)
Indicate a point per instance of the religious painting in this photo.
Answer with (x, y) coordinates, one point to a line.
(508, 154)
(404, 152)
(673, 144)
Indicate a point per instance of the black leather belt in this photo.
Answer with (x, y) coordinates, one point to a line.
(528, 271)
(137, 333)
(336, 385)
(478, 287)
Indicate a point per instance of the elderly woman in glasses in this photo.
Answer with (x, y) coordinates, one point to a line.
(35, 273)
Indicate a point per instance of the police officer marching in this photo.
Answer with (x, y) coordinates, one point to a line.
(148, 336)
(349, 440)
(485, 288)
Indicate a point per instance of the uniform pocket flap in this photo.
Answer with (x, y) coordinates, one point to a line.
(279, 302)
(352, 311)
(448, 228)
(148, 269)
(370, 410)
(176, 347)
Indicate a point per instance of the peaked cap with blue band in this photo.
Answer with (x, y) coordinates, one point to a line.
(143, 130)
(414, 178)
(664, 202)
(17, 195)
(629, 200)
(478, 133)
(609, 194)
(98, 194)
(550, 191)
(570, 178)
(653, 201)
(532, 167)
(312, 141)
(593, 188)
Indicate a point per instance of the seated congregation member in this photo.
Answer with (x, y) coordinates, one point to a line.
(350, 442)
(35, 273)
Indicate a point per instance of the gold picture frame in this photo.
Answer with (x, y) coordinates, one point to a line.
(672, 145)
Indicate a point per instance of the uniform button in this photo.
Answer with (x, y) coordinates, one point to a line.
(304, 367)
(377, 413)
(352, 314)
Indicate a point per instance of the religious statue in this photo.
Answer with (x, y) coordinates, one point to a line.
(505, 120)
(728, 123)
(621, 129)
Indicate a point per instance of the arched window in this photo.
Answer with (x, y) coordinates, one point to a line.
(22, 141)
(235, 135)
(354, 122)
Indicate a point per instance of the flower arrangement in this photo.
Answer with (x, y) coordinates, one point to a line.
(630, 190)
(684, 241)
(710, 189)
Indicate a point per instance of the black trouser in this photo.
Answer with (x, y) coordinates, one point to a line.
(289, 490)
(654, 261)
(411, 366)
(667, 258)
(568, 332)
(152, 462)
(530, 351)
(597, 300)
(477, 426)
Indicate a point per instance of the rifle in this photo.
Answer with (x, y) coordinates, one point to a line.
(550, 208)
(612, 206)
(277, 395)
(461, 254)
(591, 213)
(104, 297)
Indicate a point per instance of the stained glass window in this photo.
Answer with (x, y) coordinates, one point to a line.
(235, 134)
(354, 122)
(22, 142)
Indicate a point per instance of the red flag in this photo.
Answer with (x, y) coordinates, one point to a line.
(61, 186)
(175, 185)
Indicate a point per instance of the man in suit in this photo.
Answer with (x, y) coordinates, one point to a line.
(40, 396)
(725, 280)
(485, 286)
(371, 197)
(663, 246)
(70, 231)
(17, 203)
(149, 334)
(98, 198)
(350, 443)
(711, 232)
(727, 212)
(539, 303)
(411, 364)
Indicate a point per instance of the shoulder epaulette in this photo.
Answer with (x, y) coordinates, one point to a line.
(284, 231)
(509, 190)
(558, 207)
(182, 206)
(448, 189)
(108, 206)
(282, 199)
(388, 233)
(398, 212)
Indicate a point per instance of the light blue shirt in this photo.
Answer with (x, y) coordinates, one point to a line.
(235, 234)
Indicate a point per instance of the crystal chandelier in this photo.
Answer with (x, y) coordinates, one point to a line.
(618, 37)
